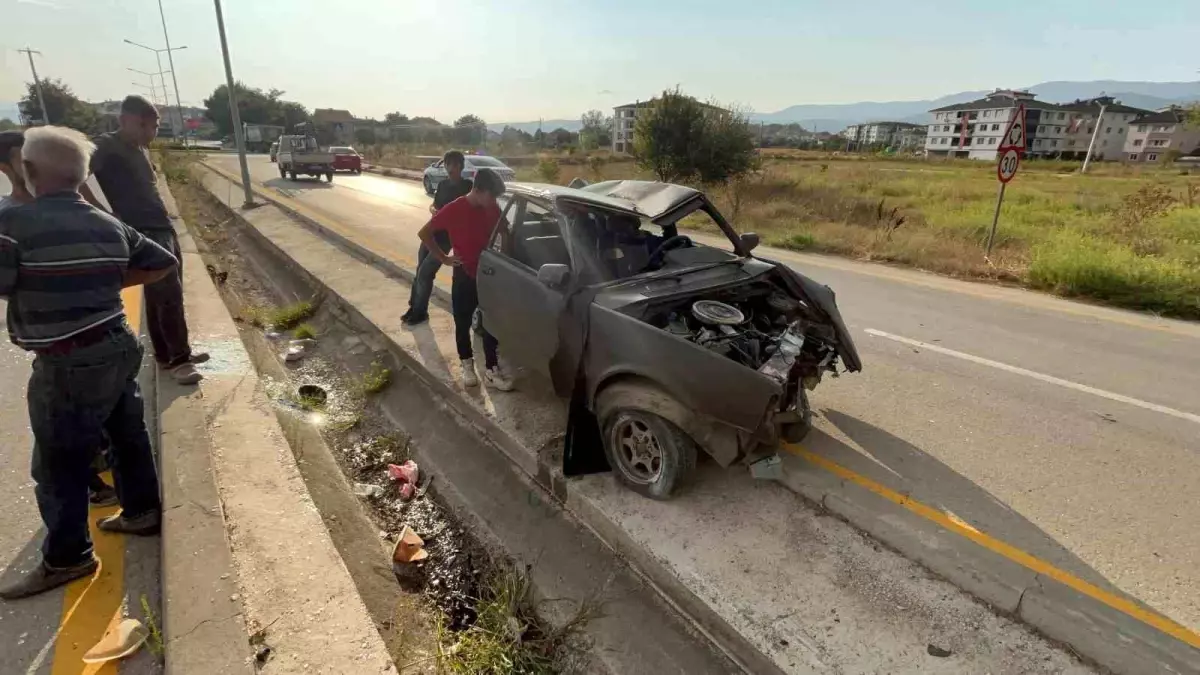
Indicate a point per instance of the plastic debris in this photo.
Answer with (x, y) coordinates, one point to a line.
(405, 473)
(298, 349)
(273, 335)
(767, 468)
(120, 641)
(409, 547)
(293, 354)
(407, 491)
(368, 490)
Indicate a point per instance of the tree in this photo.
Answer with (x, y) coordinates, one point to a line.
(680, 139)
(254, 107)
(66, 109)
(395, 118)
(1193, 115)
(596, 131)
(7, 124)
(364, 135)
(469, 129)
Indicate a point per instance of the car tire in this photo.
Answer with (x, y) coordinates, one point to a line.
(282, 171)
(358, 172)
(794, 432)
(328, 177)
(428, 185)
(647, 453)
(291, 174)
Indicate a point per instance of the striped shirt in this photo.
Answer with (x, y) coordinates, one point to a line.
(62, 267)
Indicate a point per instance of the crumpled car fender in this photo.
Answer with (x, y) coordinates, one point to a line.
(719, 440)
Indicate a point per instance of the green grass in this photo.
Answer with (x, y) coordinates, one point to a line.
(376, 379)
(304, 331)
(508, 638)
(289, 316)
(155, 642)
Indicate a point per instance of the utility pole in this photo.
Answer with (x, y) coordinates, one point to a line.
(1095, 132)
(37, 83)
(174, 80)
(233, 108)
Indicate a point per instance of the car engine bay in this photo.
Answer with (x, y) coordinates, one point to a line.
(760, 326)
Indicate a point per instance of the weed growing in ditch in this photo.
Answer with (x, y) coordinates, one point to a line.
(290, 316)
(304, 331)
(155, 642)
(507, 637)
(376, 379)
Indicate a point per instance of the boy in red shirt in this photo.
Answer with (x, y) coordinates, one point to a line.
(468, 221)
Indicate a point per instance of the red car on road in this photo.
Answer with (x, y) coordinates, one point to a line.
(346, 159)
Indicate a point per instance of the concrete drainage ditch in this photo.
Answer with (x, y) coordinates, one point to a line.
(345, 425)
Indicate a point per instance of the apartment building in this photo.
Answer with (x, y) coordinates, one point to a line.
(973, 130)
(901, 135)
(1082, 118)
(624, 117)
(1154, 136)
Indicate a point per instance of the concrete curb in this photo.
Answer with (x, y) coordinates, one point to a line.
(204, 629)
(1093, 629)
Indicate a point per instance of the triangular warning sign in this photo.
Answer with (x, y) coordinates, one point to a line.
(1014, 133)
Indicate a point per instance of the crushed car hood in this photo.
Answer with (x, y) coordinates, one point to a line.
(823, 296)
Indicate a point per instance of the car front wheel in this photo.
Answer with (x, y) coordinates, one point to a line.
(428, 186)
(648, 454)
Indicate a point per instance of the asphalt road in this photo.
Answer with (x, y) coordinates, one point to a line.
(1067, 430)
(48, 634)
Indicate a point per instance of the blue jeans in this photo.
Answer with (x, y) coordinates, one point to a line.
(74, 399)
(427, 269)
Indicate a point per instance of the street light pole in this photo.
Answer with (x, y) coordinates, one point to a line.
(171, 62)
(176, 129)
(153, 89)
(233, 109)
(37, 83)
(1095, 132)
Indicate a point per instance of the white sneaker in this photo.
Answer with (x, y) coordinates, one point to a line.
(496, 379)
(470, 379)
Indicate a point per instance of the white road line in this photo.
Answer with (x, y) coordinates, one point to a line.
(1049, 379)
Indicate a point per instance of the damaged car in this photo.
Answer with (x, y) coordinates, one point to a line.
(664, 345)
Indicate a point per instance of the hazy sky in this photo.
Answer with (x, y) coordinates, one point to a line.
(514, 60)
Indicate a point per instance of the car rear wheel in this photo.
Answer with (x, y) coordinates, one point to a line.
(648, 454)
(329, 177)
(291, 174)
(282, 171)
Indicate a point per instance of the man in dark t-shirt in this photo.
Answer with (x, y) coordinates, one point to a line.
(122, 167)
(468, 221)
(453, 187)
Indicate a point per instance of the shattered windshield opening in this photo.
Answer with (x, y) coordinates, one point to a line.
(610, 245)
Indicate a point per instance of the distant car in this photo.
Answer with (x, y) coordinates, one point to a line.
(436, 173)
(346, 158)
(274, 151)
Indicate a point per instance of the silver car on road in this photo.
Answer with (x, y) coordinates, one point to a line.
(436, 173)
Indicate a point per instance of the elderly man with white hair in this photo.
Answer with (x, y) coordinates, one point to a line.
(63, 264)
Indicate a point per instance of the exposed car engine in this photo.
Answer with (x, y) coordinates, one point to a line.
(760, 326)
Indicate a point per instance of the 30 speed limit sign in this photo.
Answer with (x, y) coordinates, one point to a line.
(1010, 161)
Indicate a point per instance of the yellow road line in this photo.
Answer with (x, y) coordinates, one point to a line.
(1005, 549)
(92, 606)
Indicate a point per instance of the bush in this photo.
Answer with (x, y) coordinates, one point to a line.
(548, 169)
(1073, 263)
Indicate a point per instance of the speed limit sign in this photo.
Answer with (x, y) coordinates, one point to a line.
(1010, 160)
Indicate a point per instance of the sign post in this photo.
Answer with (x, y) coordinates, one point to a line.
(1011, 147)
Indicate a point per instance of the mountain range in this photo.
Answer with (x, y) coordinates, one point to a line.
(835, 117)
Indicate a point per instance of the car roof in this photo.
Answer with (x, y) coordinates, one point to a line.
(648, 199)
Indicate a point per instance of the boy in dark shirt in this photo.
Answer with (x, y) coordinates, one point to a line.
(453, 187)
(468, 221)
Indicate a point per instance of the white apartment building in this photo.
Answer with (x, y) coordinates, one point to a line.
(624, 117)
(890, 134)
(974, 129)
(1114, 125)
(1155, 135)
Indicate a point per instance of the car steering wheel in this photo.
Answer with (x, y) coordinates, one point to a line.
(669, 244)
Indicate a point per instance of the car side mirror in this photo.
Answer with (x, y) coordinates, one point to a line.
(749, 241)
(553, 275)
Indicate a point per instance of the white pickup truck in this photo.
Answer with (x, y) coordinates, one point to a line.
(301, 155)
